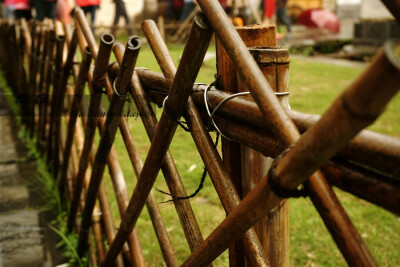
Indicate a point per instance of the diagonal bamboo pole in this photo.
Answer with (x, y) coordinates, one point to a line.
(104, 202)
(171, 175)
(100, 69)
(134, 253)
(326, 202)
(151, 204)
(107, 137)
(66, 71)
(352, 111)
(221, 180)
(192, 59)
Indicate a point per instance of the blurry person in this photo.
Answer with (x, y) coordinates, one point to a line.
(89, 6)
(45, 9)
(9, 4)
(188, 7)
(269, 11)
(283, 17)
(120, 10)
(63, 11)
(22, 9)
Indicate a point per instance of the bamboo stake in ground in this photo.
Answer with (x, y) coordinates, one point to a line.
(107, 138)
(35, 53)
(64, 83)
(55, 113)
(273, 230)
(191, 61)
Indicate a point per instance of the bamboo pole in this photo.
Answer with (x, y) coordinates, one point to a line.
(367, 148)
(151, 204)
(107, 138)
(100, 69)
(192, 58)
(43, 72)
(353, 179)
(273, 230)
(171, 175)
(55, 113)
(133, 255)
(207, 150)
(97, 227)
(36, 40)
(104, 202)
(356, 108)
(66, 70)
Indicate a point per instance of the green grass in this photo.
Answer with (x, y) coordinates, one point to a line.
(313, 87)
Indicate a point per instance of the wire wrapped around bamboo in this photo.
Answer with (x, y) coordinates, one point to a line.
(261, 140)
(367, 148)
(352, 111)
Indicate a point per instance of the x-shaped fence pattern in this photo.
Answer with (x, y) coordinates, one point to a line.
(331, 151)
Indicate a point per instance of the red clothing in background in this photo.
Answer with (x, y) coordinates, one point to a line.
(269, 8)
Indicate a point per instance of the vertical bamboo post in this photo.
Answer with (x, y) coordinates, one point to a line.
(273, 230)
(234, 155)
(36, 41)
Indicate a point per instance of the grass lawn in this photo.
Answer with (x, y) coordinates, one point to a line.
(313, 86)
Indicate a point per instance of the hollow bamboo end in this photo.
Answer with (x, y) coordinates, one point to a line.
(201, 20)
(107, 38)
(392, 52)
(134, 42)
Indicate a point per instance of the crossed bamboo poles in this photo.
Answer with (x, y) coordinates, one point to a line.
(390, 72)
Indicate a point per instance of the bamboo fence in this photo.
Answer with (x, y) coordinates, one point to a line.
(269, 152)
